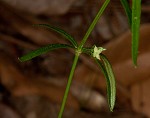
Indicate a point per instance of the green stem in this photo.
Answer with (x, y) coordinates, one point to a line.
(93, 23)
(68, 85)
(90, 29)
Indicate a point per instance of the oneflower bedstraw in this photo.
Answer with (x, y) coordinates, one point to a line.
(96, 52)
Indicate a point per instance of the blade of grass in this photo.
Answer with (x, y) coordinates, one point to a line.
(59, 31)
(136, 14)
(43, 50)
(110, 79)
(128, 10)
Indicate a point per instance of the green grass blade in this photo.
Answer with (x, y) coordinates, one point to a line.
(128, 10)
(59, 31)
(43, 50)
(136, 16)
(110, 79)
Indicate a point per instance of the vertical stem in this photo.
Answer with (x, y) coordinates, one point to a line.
(90, 29)
(93, 23)
(68, 85)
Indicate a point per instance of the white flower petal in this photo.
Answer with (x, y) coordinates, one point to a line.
(97, 51)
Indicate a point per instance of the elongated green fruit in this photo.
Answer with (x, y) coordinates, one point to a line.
(59, 31)
(43, 50)
(136, 14)
(128, 10)
(110, 79)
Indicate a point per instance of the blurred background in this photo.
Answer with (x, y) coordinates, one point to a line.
(35, 89)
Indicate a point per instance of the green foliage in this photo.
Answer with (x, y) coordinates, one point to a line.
(133, 15)
(107, 70)
(43, 50)
(111, 84)
(59, 31)
(136, 14)
(96, 52)
(128, 10)
(111, 87)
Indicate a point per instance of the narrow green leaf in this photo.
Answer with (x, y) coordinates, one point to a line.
(110, 79)
(43, 50)
(59, 31)
(128, 10)
(136, 16)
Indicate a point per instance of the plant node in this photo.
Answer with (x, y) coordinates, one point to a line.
(78, 52)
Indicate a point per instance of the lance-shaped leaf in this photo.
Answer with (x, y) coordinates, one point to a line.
(110, 79)
(136, 14)
(128, 10)
(59, 31)
(43, 50)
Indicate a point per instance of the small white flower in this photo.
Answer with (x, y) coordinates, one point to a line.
(97, 51)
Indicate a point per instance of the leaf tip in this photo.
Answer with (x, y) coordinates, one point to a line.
(22, 59)
(135, 63)
(19, 58)
(111, 108)
(135, 66)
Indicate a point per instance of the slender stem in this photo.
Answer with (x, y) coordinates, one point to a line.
(68, 85)
(90, 29)
(93, 23)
